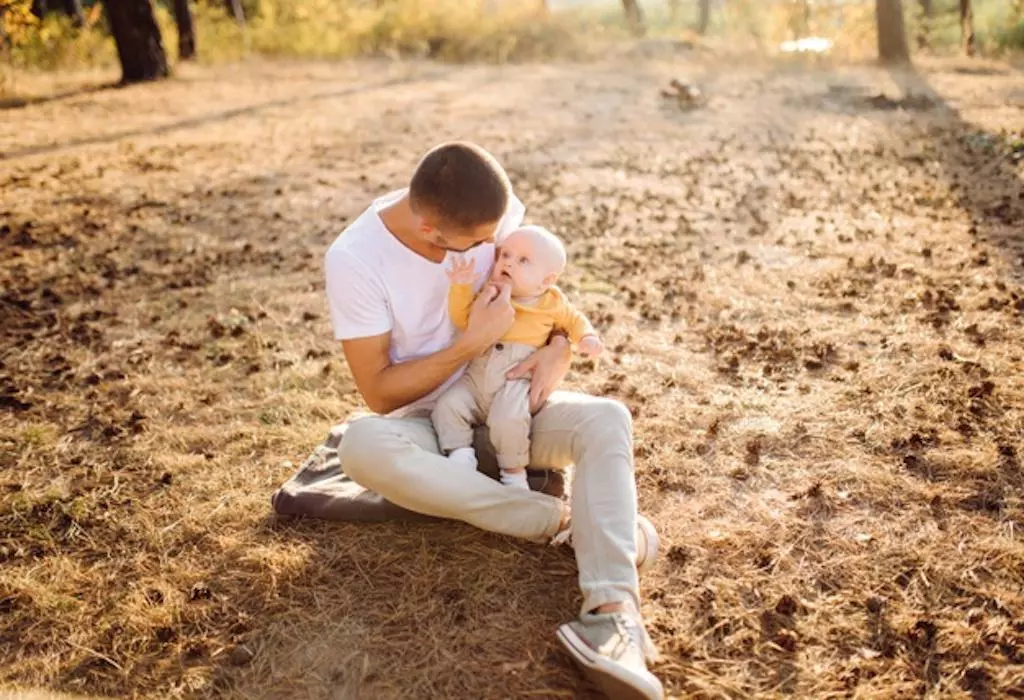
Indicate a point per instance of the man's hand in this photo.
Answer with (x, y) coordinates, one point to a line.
(462, 271)
(491, 316)
(546, 369)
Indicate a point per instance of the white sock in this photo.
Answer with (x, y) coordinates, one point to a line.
(516, 480)
(464, 458)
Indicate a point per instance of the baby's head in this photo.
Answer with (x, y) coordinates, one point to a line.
(530, 259)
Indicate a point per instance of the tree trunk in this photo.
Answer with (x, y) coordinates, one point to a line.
(234, 8)
(799, 12)
(634, 16)
(704, 16)
(74, 10)
(186, 30)
(137, 36)
(967, 26)
(924, 31)
(673, 10)
(892, 35)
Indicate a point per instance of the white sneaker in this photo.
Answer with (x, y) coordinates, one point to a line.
(647, 542)
(613, 650)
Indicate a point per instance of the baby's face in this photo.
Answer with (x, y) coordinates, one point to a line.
(525, 263)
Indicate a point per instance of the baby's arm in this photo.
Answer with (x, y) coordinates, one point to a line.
(460, 295)
(581, 332)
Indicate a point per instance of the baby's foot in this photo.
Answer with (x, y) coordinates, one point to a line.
(464, 458)
(515, 479)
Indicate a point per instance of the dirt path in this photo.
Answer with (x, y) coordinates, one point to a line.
(814, 295)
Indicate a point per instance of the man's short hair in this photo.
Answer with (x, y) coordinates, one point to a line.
(461, 184)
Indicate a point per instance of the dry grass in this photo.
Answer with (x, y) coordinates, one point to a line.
(815, 306)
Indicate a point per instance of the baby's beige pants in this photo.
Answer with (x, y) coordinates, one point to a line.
(484, 395)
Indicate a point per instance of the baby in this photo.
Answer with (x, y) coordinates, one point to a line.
(529, 260)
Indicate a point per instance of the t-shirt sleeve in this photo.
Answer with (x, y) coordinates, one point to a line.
(356, 299)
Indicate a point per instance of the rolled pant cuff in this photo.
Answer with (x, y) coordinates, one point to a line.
(609, 593)
(518, 461)
(451, 442)
(554, 524)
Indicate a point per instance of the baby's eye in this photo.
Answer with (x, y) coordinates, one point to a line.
(524, 260)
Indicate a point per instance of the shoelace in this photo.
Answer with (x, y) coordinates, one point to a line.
(563, 536)
(632, 628)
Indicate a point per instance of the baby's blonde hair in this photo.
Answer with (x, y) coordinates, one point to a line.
(552, 243)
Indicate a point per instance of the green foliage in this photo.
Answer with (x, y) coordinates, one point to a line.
(459, 30)
(54, 43)
(852, 25)
(16, 21)
(994, 25)
(1010, 36)
(454, 30)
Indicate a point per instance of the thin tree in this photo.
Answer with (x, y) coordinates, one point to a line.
(924, 30)
(967, 27)
(186, 30)
(799, 18)
(703, 16)
(234, 8)
(635, 16)
(673, 10)
(892, 33)
(137, 36)
(74, 10)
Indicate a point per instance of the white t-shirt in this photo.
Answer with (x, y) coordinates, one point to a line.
(376, 285)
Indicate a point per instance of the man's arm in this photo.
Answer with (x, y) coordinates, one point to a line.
(386, 386)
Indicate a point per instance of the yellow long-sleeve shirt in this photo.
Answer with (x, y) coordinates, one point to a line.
(533, 324)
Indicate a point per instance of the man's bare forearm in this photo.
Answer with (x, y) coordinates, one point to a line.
(400, 384)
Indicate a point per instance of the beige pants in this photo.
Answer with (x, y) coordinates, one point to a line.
(400, 459)
(483, 395)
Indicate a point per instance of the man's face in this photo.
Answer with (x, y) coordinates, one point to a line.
(459, 239)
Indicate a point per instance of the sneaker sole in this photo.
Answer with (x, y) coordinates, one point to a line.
(615, 681)
(652, 544)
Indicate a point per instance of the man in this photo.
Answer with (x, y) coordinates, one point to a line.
(387, 289)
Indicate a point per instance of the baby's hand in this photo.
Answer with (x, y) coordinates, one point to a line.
(591, 346)
(462, 271)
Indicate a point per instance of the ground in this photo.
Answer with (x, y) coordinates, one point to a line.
(810, 286)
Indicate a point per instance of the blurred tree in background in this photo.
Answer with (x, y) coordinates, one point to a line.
(137, 36)
(892, 34)
(967, 27)
(50, 34)
(186, 30)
